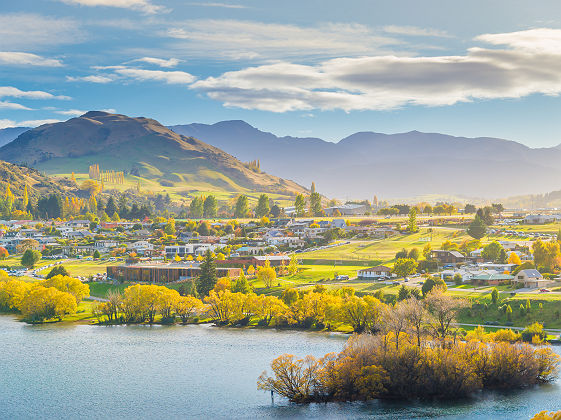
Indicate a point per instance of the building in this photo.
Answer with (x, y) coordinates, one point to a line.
(348, 210)
(531, 278)
(492, 279)
(447, 257)
(162, 273)
(188, 249)
(539, 219)
(375, 273)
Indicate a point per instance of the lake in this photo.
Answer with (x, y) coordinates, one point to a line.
(169, 372)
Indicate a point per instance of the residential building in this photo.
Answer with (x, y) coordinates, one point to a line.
(531, 278)
(375, 273)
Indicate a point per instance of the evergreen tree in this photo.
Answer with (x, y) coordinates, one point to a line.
(242, 208)
(210, 207)
(412, 223)
(300, 205)
(196, 208)
(477, 229)
(241, 285)
(315, 204)
(111, 207)
(262, 208)
(207, 277)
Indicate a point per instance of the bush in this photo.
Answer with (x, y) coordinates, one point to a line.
(534, 332)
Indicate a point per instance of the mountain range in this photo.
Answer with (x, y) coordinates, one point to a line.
(409, 164)
(139, 146)
(359, 166)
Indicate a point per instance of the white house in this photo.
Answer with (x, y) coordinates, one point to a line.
(375, 273)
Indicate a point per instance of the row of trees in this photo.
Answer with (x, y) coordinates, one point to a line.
(48, 299)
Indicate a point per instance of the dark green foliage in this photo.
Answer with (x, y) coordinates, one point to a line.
(207, 277)
(477, 228)
(30, 258)
(58, 270)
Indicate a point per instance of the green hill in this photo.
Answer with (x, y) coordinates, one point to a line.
(141, 147)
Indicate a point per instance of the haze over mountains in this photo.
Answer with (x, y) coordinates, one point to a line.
(140, 146)
(359, 166)
(392, 165)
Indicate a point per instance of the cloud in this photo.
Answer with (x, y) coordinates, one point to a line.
(27, 59)
(232, 39)
(415, 31)
(71, 112)
(11, 105)
(531, 64)
(91, 79)
(172, 62)
(27, 31)
(144, 6)
(12, 92)
(224, 5)
(29, 123)
(169, 77)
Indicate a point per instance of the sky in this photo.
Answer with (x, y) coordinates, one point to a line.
(307, 68)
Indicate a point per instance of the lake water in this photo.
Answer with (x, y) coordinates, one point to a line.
(142, 372)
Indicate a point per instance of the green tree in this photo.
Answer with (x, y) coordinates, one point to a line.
(492, 251)
(508, 313)
(403, 293)
(58, 270)
(210, 207)
(241, 210)
(300, 205)
(196, 208)
(30, 258)
(477, 229)
(241, 285)
(431, 283)
(315, 204)
(412, 223)
(96, 255)
(413, 254)
(207, 276)
(262, 208)
(494, 295)
(404, 267)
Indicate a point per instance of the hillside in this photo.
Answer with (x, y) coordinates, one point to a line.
(17, 177)
(392, 165)
(138, 146)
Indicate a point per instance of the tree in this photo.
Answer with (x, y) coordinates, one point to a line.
(413, 254)
(431, 283)
(469, 209)
(26, 244)
(241, 210)
(207, 277)
(196, 208)
(508, 312)
(404, 267)
(30, 258)
(494, 295)
(169, 229)
(477, 229)
(401, 254)
(69, 285)
(3, 253)
(262, 208)
(492, 251)
(46, 303)
(241, 284)
(427, 250)
(293, 265)
(210, 207)
(443, 310)
(96, 255)
(111, 206)
(25, 199)
(315, 204)
(58, 270)
(513, 258)
(412, 223)
(403, 293)
(186, 307)
(546, 254)
(300, 205)
(266, 274)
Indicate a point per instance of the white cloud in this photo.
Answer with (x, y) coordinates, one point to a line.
(11, 105)
(29, 123)
(172, 62)
(169, 77)
(92, 79)
(223, 5)
(27, 31)
(531, 64)
(415, 31)
(71, 112)
(142, 5)
(233, 39)
(27, 59)
(12, 92)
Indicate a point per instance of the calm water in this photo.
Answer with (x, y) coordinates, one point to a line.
(81, 371)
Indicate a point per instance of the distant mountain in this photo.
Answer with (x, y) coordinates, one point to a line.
(9, 134)
(140, 146)
(392, 165)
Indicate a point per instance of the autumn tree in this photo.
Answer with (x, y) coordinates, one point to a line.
(443, 310)
(266, 274)
(404, 267)
(513, 258)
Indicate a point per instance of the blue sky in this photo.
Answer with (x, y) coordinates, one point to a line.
(317, 68)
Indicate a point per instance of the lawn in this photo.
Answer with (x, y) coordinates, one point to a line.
(100, 290)
(83, 268)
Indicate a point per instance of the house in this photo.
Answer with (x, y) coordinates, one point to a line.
(374, 273)
(492, 279)
(447, 257)
(539, 219)
(531, 278)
